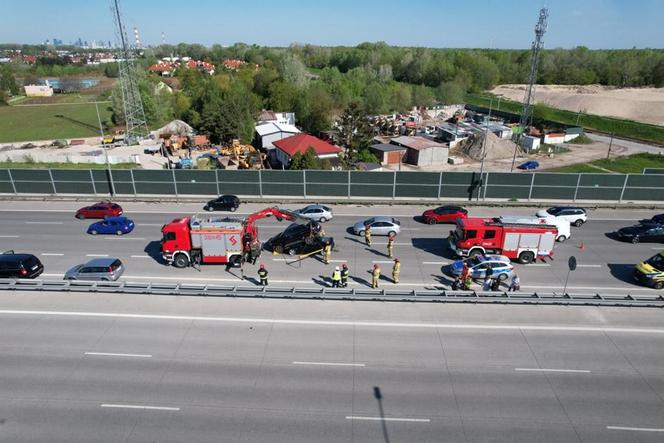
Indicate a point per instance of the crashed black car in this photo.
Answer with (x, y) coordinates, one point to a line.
(298, 239)
(646, 232)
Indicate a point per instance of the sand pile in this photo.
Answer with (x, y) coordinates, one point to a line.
(496, 147)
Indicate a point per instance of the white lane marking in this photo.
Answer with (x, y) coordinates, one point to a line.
(538, 264)
(382, 261)
(435, 263)
(410, 229)
(112, 354)
(155, 408)
(96, 255)
(656, 249)
(42, 223)
(8, 236)
(150, 224)
(385, 244)
(51, 254)
(588, 266)
(408, 420)
(125, 238)
(342, 323)
(627, 428)
(320, 363)
(572, 371)
(139, 256)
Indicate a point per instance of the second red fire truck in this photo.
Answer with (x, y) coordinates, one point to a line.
(518, 241)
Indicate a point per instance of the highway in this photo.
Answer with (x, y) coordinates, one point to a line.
(101, 367)
(50, 231)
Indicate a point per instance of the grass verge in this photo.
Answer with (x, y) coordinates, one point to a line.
(633, 164)
(45, 165)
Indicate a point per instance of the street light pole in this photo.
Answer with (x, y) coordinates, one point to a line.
(105, 148)
(483, 153)
(608, 154)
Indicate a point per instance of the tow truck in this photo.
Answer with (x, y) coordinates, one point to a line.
(194, 240)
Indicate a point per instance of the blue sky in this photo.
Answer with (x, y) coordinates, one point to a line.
(441, 23)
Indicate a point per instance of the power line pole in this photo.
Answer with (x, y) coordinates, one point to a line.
(136, 125)
(538, 44)
(483, 152)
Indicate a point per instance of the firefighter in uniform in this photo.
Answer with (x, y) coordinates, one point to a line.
(396, 270)
(375, 276)
(390, 245)
(327, 252)
(367, 235)
(262, 274)
(336, 277)
(344, 275)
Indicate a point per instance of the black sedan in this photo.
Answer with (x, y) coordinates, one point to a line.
(298, 239)
(646, 232)
(223, 203)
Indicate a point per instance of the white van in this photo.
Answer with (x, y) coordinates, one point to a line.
(563, 226)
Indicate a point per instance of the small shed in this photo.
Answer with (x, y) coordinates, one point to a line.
(553, 138)
(423, 151)
(530, 143)
(388, 154)
(572, 133)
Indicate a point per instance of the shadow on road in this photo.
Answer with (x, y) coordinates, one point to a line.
(359, 280)
(378, 395)
(153, 249)
(623, 272)
(436, 246)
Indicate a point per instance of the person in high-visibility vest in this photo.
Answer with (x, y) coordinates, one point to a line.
(367, 235)
(390, 245)
(336, 277)
(344, 275)
(375, 275)
(327, 252)
(262, 274)
(396, 270)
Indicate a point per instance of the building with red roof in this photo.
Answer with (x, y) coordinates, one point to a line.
(287, 147)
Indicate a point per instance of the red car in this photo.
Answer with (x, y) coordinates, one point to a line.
(99, 210)
(444, 214)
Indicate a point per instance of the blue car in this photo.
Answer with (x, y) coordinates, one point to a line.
(530, 164)
(659, 219)
(500, 265)
(112, 225)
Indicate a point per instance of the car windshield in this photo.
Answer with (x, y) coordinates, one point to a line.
(657, 262)
(369, 221)
(474, 261)
(554, 211)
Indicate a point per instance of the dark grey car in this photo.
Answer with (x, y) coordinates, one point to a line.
(104, 269)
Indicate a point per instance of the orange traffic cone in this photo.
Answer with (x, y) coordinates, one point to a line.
(582, 246)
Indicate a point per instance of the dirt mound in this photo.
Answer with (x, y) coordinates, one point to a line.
(496, 147)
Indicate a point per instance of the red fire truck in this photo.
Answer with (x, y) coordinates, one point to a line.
(192, 240)
(518, 241)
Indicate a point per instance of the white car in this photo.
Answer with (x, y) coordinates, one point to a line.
(317, 213)
(575, 215)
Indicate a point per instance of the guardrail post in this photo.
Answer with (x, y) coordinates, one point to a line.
(440, 183)
(260, 183)
(623, 188)
(349, 184)
(92, 180)
(532, 183)
(11, 179)
(486, 185)
(50, 174)
(394, 185)
(133, 182)
(304, 182)
(576, 191)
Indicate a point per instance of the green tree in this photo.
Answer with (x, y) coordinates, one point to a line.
(227, 115)
(450, 93)
(293, 70)
(314, 109)
(354, 132)
(8, 83)
(310, 160)
(296, 161)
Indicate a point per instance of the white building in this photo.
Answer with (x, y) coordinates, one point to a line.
(283, 118)
(267, 133)
(38, 90)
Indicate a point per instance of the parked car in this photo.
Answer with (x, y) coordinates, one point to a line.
(575, 215)
(379, 226)
(651, 271)
(318, 213)
(296, 240)
(112, 225)
(99, 210)
(444, 214)
(223, 203)
(104, 269)
(646, 232)
(499, 264)
(530, 164)
(14, 265)
(659, 219)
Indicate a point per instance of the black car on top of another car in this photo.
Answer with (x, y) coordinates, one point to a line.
(298, 239)
(223, 203)
(645, 232)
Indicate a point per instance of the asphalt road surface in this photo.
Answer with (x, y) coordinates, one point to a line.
(101, 368)
(50, 231)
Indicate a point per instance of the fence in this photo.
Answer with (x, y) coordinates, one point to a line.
(336, 184)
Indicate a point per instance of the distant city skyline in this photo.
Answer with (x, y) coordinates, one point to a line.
(597, 24)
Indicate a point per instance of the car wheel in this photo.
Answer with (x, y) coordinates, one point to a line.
(80, 216)
(93, 232)
(635, 239)
(233, 209)
(392, 233)
(322, 220)
(526, 257)
(502, 277)
(578, 223)
(361, 233)
(180, 261)
(279, 249)
(292, 251)
(432, 221)
(561, 239)
(236, 261)
(658, 285)
(207, 208)
(118, 232)
(474, 253)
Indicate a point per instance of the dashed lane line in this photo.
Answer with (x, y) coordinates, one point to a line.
(154, 408)
(113, 354)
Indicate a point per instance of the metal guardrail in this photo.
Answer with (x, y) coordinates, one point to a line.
(362, 294)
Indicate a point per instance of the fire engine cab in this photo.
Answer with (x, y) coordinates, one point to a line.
(518, 241)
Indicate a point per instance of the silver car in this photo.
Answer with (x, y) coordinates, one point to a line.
(379, 226)
(317, 213)
(104, 269)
